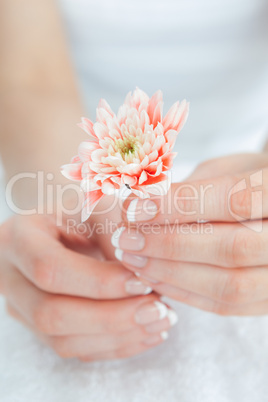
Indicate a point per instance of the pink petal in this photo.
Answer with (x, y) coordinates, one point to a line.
(91, 200)
(156, 101)
(117, 180)
(114, 161)
(154, 169)
(159, 141)
(105, 105)
(122, 114)
(145, 162)
(143, 177)
(102, 116)
(168, 160)
(75, 159)
(101, 130)
(144, 119)
(159, 129)
(169, 118)
(158, 188)
(86, 171)
(153, 180)
(108, 187)
(157, 114)
(72, 171)
(87, 126)
(171, 136)
(130, 180)
(101, 168)
(181, 116)
(98, 154)
(85, 150)
(139, 97)
(132, 169)
(153, 156)
(88, 184)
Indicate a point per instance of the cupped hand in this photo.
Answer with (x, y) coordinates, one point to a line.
(205, 243)
(81, 306)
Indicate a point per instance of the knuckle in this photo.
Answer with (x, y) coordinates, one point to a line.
(184, 200)
(243, 246)
(48, 317)
(238, 288)
(240, 203)
(44, 273)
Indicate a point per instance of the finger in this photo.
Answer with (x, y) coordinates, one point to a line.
(229, 198)
(56, 269)
(238, 285)
(213, 306)
(85, 345)
(222, 244)
(62, 315)
(229, 164)
(124, 353)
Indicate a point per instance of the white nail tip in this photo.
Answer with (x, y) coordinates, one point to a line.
(116, 236)
(131, 210)
(162, 308)
(118, 254)
(147, 290)
(172, 316)
(164, 335)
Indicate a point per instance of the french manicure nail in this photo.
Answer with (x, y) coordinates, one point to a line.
(164, 335)
(137, 261)
(129, 239)
(155, 339)
(141, 210)
(136, 287)
(116, 236)
(173, 318)
(151, 312)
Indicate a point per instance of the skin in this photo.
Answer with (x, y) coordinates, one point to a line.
(53, 282)
(224, 270)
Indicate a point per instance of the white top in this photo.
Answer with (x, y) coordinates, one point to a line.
(214, 53)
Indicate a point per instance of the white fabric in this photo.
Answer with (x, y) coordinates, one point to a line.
(206, 359)
(215, 55)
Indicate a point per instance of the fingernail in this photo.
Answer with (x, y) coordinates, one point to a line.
(136, 287)
(128, 239)
(141, 210)
(155, 339)
(164, 335)
(116, 236)
(151, 312)
(137, 261)
(173, 318)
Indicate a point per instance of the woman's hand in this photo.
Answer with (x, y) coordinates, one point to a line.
(220, 265)
(81, 306)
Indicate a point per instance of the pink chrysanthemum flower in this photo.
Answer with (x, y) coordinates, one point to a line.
(132, 148)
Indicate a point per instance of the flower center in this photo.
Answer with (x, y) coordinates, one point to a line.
(126, 146)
